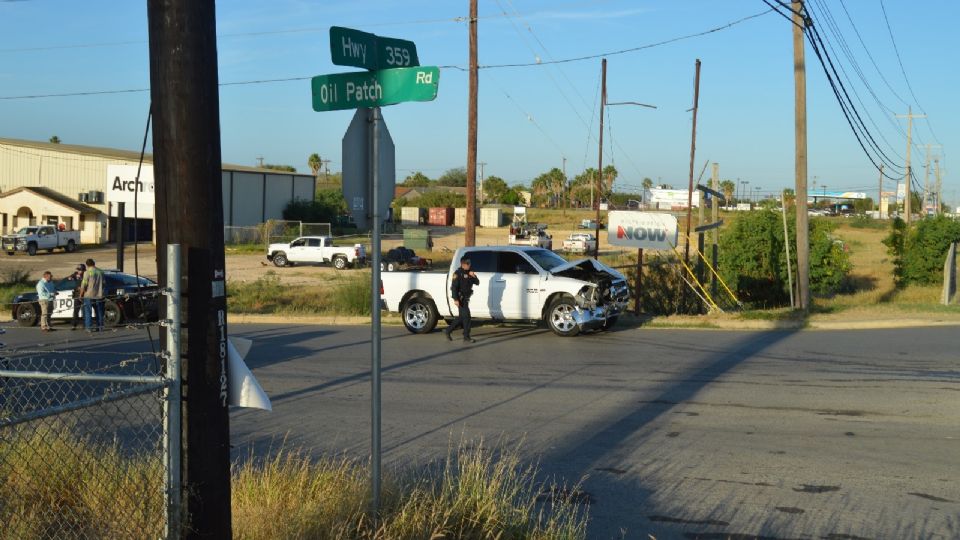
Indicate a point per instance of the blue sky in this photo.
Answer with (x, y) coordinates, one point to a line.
(530, 118)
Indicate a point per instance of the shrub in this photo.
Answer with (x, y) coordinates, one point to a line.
(753, 261)
(918, 253)
(440, 199)
(326, 206)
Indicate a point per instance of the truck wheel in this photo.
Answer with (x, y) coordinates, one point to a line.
(32, 249)
(10, 253)
(560, 317)
(419, 315)
(339, 263)
(112, 314)
(28, 314)
(71, 246)
(280, 259)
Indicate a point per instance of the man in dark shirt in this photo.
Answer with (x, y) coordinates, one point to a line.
(461, 289)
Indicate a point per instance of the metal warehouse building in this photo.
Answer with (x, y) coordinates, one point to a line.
(80, 187)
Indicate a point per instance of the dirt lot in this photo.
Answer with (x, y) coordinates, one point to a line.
(250, 266)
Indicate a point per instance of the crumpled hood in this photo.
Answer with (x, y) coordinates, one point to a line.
(587, 264)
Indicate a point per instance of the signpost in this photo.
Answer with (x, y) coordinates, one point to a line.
(369, 171)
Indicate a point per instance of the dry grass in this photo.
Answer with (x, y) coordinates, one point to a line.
(53, 484)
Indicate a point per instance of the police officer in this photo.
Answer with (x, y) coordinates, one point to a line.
(461, 289)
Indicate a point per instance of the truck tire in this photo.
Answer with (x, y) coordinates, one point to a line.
(28, 314)
(339, 262)
(280, 259)
(419, 315)
(559, 317)
(71, 246)
(32, 249)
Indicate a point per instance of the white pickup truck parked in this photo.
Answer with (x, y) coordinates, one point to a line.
(580, 243)
(37, 237)
(316, 250)
(516, 283)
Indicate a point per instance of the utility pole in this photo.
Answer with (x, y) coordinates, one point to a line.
(927, 190)
(800, 156)
(908, 178)
(936, 163)
(325, 163)
(187, 161)
(471, 230)
(880, 190)
(715, 217)
(693, 150)
(481, 164)
(603, 101)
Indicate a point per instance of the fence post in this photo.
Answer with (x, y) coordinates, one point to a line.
(172, 408)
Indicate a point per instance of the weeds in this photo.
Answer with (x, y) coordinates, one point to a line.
(61, 484)
(343, 295)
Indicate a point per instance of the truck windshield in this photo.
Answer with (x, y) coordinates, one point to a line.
(547, 260)
(27, 230)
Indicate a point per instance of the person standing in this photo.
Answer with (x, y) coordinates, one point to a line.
(461, 289)
(91, 289)
(46, 292)
(77, 278)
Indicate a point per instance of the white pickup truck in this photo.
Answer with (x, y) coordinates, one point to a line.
(580, 243)
(316, 250)
(516, 283)
(37, 237)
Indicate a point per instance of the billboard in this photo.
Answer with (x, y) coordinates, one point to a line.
(122, 184)
(672, 198)
(643, 230)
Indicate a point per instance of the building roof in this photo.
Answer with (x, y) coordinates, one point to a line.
(126, 155)
(54, 196)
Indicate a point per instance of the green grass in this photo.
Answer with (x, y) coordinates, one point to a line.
(340, 295)
(14, 281)
(55, 484)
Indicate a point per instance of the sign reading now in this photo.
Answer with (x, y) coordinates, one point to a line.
(643, 230)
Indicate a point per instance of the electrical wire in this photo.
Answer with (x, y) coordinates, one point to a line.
(136, 222)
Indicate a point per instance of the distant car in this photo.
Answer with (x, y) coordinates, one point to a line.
(580, 243)
(589, 224)
(128, 299)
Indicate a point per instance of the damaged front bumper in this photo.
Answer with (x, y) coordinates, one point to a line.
(593, 318)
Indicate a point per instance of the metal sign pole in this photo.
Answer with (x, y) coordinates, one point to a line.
(375, 313)
(172, 428)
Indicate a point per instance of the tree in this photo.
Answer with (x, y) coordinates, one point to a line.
(494, 188)
(276, 167)
(456, 177)
(647, 183)
(417, 179)
(610, 174)
(728, 188)
(789, 197)
(54, 140)
(551, 182)
(315, 163)
(581, 187)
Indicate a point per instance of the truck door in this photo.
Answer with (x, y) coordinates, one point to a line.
(315, 250)
(298, 250)
(46, 238)
(518, 287)
(484, 264)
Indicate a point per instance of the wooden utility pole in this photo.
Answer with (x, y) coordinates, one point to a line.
(189, 209)
(693, 151)
(908, 178)
(936, 163)
(800, 157)
(598, 183)
(715, 217)
(927, 188)
(471, 230)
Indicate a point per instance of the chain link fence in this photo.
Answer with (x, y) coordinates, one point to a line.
(273, 231)
(82, 446)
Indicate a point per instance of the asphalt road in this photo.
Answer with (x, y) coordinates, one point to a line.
(678, 434)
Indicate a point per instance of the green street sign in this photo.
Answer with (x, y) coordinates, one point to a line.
(341, 91)
(349, 47)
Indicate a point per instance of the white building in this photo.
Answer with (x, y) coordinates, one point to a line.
(81, 186)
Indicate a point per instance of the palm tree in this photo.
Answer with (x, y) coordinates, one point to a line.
(315, 163)
(610, 174)
(728, 188)
(55, 140)
(647, 183)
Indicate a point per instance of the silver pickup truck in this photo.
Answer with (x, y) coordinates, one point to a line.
(39, 237)
(517, 283)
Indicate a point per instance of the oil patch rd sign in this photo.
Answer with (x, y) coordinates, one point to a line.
(342, 91)
(643, 230)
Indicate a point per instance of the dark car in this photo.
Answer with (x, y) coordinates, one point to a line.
(127, 299)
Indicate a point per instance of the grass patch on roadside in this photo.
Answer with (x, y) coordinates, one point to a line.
(341, 295)
(60, 484)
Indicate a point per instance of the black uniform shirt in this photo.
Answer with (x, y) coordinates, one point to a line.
(461, 287)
